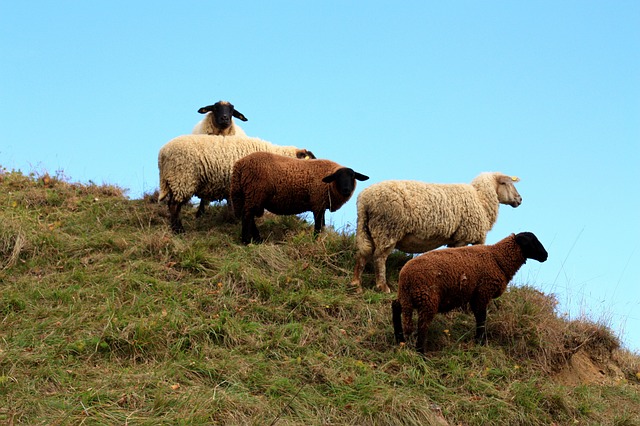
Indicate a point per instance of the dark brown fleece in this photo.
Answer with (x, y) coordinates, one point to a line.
(287, 186)
(283, 185)
(441, 280)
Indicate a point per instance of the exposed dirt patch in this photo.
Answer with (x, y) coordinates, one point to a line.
(582, 369)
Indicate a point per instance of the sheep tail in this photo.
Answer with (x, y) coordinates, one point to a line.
(364, 241)
(164, 189)
(396, 310)
(236, 197)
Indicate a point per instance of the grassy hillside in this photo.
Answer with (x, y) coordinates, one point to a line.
(108, 318)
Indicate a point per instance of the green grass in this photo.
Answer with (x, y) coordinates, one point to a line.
(106, 317)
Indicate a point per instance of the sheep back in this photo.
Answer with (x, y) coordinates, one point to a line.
(201, 165)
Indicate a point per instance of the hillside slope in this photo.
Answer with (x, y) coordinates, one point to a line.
(108, 318)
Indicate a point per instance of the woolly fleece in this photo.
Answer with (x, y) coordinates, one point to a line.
(287, 186)
(201, 165)
(416, 217)
(441, 280)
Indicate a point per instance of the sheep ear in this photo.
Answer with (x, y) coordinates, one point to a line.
(508, 179)
(511, 179)
(330, 178)
(237, 114)
(361, 177)
(303, 154)
(205, 109)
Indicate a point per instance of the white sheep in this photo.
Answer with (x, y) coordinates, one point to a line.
(415, 217)
(201, 165)
(286, 186)
(442, 280)
(218, 120)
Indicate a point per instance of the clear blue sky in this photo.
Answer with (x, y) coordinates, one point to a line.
(433, 91)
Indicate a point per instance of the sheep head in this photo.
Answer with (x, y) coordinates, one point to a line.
(345, 180)
(222, 112)
(531, 247)
(506, 190)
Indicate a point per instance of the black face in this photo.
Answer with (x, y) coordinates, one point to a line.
(345, 179)
(531, 247)
(345, 182)
(222, 114)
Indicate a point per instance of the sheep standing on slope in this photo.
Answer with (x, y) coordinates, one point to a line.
(218, 120)
(288, 186)
(201, 165)
(442, 280)
(416, 217)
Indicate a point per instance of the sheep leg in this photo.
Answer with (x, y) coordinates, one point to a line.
(361, 261)
(380, 266)
(250, 229)
(396, 313)
(255, 234)
(174, 215)
(406, 315)
(201, 207)
(480, 313)
(228, 214)
(246, 229)
(425, 316)
(318, 222)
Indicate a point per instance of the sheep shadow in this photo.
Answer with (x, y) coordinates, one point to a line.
(454, 329)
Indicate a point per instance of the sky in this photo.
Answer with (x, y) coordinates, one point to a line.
(432, 91)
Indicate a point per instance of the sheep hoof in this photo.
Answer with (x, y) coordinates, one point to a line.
(177, 229)
(482, 341)
(252, 241)
(354, 288)
(384, 289)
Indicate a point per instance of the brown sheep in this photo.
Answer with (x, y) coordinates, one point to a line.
(441, 280)
(286, 186)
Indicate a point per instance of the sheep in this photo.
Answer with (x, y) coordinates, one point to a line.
(218, 121)
(201, 165)
(415, 217)
(287, 186)
(442, 280)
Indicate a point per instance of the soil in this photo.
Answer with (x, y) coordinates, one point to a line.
(582, 369)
